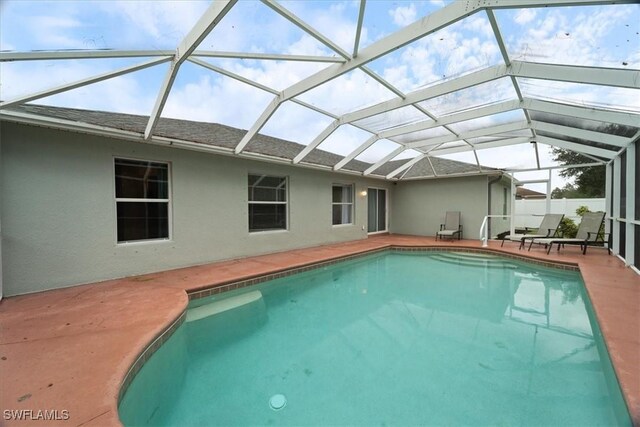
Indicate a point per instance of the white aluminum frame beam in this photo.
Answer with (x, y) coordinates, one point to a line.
(466, 81)
(286, 14)
(588, 113)
(407, 166)
(614, 77)
(578, 148)
(356, 42)
(580, 165)
(505, 57)
(256, 85)
(486, 131)
(630, 209)
(603, 138)
(489, 110)
(483, 146)
(207, 22)
(429, 24)
(617, 78)
(115, 53)
(435, 21)
(266, 115)
(317, 140)
(510, 4)
(83, 82)
(476, 113)
(617, 187)
(266, 56)
(49, 55)
(355, 153)
(263, 87)
(384, 160)
(439, 19)
(234, 76)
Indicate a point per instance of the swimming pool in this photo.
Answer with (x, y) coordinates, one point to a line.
(395, 338)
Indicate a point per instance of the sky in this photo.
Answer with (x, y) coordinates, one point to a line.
(604, 36)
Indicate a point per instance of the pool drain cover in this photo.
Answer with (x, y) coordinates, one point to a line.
(277, 402)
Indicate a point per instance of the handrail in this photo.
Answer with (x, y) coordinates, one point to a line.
(484, 237)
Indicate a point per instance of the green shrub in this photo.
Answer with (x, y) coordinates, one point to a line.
(568, 228)
(582, 210)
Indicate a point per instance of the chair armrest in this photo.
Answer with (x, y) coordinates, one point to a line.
(589, 234)
(441, 227)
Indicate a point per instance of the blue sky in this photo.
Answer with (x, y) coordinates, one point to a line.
(605, 36)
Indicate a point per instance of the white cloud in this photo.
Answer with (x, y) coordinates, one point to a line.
(160, 24)
(296, 123)
(404, 15)
(344, 140)
(582, 36)
(126, 94)
(524, 16)
(209, 98)
(348, 92)
(54, 31)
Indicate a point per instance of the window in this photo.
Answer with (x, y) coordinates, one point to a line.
(342, 204)
(267, 203)
(142, 200)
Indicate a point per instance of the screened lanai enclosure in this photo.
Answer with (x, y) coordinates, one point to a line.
(393, 91)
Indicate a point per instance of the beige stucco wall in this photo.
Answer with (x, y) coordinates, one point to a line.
(419, 207)
(59, 221)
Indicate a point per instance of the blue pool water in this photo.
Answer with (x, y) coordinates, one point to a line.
(407, 338)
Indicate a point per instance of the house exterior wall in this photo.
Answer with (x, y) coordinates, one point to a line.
(59, 220)
(419, 207)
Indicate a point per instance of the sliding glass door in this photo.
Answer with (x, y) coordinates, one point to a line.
(377, 210)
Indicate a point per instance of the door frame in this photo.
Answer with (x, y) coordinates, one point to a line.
(386, 211)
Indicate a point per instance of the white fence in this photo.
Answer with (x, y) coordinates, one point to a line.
(568, 207)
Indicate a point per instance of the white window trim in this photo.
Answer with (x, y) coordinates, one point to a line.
(249, 202)
(169, 238)
(352, 204)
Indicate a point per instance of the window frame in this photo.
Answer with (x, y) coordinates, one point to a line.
(138, 200)
(352, 203)
(286, 203)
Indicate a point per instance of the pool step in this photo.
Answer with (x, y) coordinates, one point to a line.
(473, 260)
(221, 306)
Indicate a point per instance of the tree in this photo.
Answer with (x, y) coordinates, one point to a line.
(589, 181)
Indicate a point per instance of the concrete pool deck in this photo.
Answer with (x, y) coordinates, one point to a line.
(70, 349)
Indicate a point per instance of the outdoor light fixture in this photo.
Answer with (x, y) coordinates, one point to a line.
(363, 193)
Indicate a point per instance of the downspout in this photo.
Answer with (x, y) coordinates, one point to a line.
(489, 183)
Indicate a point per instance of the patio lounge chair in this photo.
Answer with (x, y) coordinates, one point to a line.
(587, 234)
(451, 226)
(548, 228)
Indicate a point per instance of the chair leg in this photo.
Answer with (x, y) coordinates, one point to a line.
(530, 244)
(549, 248)
(502, 242)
